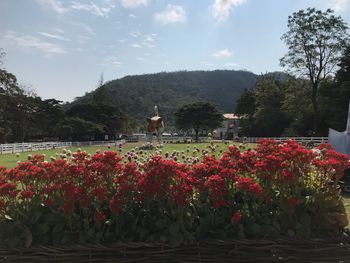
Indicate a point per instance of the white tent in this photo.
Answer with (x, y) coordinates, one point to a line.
(340, 141)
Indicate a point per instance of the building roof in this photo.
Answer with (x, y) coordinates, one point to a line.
(231, 116)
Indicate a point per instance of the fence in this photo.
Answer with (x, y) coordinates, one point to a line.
(26, 147)
(303, 140)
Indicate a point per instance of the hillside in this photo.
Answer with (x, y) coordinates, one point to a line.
(137, 95)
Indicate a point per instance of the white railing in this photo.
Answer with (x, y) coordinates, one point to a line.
(315, 140)
(35, 146)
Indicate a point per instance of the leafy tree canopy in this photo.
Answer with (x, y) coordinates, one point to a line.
(315, 42)
(196, 116)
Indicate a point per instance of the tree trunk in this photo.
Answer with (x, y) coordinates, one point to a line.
(315, 109)
(196, 130)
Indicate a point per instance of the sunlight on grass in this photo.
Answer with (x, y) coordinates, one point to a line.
(10, 160)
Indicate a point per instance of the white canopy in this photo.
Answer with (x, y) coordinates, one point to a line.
(340, 141)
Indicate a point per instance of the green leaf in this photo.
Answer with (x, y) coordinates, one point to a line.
(58, 228)
(14, 242)
(176, 240)
(67, 237)
(42, 229)
(161, 223)
(143, 234)
(174, 229)
(253, 229)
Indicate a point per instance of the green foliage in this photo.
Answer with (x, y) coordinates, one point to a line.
(284, 106)
(196, 116)
(315, 42)
(109, 117)
(137, 95)
(335, 95)
(261, 108)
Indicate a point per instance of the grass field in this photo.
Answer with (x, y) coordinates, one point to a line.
(10, 160)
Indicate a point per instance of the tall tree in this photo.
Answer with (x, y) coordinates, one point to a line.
(315, 42)
(336, 95)
(269, 118)
(245, 104)
(196, 116)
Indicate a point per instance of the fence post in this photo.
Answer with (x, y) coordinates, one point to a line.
(13, 147)
(1, 148)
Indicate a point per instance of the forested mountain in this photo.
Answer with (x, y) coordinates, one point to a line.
(137, 95)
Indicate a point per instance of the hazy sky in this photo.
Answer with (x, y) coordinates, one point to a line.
(61, 47)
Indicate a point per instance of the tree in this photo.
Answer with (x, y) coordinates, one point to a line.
(297, 106)
(246, 103)
(196, 116)
(336, 95)
(100, 81)
(269, 119)
(315, 42)
(77, 129)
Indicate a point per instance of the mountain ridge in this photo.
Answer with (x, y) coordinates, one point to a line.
(136, 95)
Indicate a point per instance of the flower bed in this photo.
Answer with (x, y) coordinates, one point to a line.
(276, 190)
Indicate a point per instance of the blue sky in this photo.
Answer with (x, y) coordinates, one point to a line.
(59, 48)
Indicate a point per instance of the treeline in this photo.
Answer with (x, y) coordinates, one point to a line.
(283, 107)
(24, 116)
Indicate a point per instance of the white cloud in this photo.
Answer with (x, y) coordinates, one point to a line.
(132, 16)
(221, 8)
(85, 27)
(135, 45)
(113, 60)
(103, 8)
(231, 65)
(208, 64)
(134, 3)
(149, 41)
(82, 38)
(150, 45)
(140, 58)
(88, 29)
(224, 53)
(93, 8)
(150, 38)
(171, 14)
(135, 34)
(80, 49)
(54, 5)
(58, 30)
(53, 36)
(339, 5)
(34, 42)
(121, 40)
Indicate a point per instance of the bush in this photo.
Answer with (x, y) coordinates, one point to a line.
(275, 190)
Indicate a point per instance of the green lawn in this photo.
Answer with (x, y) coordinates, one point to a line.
(10, 160)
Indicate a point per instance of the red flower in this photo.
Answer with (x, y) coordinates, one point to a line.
(236, 217)
(49, 202)
(293, 202)
(100, 216)
(247, 184)
(27, 194)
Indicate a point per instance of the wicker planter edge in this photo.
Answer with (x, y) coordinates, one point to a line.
(258, 250)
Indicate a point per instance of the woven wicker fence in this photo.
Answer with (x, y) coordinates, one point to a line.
(321, 251)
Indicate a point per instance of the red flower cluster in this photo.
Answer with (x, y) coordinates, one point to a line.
(102, 186)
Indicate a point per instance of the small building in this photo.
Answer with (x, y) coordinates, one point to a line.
(230, 127)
